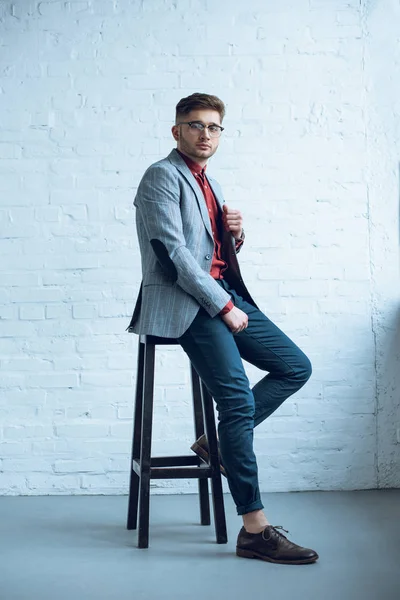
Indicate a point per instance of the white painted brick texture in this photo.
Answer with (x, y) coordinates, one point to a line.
(87, 97)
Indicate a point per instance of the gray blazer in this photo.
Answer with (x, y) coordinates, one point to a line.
(176, 246)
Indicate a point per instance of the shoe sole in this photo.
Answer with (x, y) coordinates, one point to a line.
(197, 449)
(252, 554)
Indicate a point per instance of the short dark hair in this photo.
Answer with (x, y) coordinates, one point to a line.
(198, 100)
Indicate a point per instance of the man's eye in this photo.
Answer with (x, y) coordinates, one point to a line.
(213, 128)
(197, 126)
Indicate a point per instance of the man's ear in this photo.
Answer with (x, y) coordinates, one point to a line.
(175, 132)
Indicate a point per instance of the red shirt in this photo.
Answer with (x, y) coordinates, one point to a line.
(218, 265)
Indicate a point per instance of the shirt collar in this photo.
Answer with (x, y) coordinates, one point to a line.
(195, 168)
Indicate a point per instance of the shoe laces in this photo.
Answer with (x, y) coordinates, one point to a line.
(274, 529)
(280, 527)
(288, 543)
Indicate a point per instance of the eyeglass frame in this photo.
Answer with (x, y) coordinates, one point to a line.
(221, 129)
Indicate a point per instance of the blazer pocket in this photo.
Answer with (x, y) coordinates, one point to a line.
(157, 278)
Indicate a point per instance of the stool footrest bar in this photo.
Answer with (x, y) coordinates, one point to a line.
(203, 472)
(175, 461)
(175, 471)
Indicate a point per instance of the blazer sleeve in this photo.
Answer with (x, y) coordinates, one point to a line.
(158, 200)
(238, 245)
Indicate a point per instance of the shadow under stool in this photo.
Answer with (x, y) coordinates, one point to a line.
(145, 467)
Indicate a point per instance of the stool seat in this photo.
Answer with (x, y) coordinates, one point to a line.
(158, 341)
(145, 467)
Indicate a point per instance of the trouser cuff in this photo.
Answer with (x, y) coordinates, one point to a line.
(256, 505)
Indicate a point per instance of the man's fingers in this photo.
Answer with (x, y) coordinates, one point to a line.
(241, 327)
(233, 220)
(231, 211)
(233, 225)
(236, 320)
(236, 218)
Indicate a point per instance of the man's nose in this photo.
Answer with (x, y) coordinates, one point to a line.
(205, 134)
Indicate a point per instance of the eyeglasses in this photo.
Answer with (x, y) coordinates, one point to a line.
(199, 127)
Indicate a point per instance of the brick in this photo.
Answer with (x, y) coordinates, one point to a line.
(112, 378)
(8, 312)
(54, 484)
(34, 294)
(27, 431)
(79, 466)
(50, 347)
(16, 329)
(10, 151)
(52, 380)
(310, 288)
(13, 484)
(121, 430)
(85, 311)
(125, 412)
(57, 311)
(111, 481)
(47, 214)
(84, 430)
(31, 312)
(12, 449)
(10, 380)
(29, 465)
(20, 279)
(27, 364)
(120, 361)
(106, 447)
(73, 197)
(99, 413)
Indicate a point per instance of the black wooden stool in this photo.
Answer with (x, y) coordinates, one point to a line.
(145, 467)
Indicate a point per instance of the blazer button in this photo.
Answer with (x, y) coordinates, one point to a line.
(208, 256)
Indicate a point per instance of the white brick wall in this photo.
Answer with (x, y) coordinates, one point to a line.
(87, 96)
(382, 73)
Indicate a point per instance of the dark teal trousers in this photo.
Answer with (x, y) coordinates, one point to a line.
(216, 354)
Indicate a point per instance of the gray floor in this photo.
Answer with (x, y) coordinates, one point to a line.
(77, 547)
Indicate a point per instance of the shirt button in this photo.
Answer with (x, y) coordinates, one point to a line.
(208, 256)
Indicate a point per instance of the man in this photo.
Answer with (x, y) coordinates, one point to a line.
(192, 290)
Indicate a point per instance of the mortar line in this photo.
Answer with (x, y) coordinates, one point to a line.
(364, 32)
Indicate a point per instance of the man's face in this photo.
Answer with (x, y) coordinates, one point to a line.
(198, 145)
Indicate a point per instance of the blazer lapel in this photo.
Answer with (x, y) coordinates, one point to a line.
(186, 172)
(216, 190)
(228, 241)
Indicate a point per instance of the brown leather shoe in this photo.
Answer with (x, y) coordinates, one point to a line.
(271, 545)
(200, 447)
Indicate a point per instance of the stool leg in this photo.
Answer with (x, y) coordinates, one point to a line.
(216, 483)
(136, 442)
(145, 453)
(205, 517)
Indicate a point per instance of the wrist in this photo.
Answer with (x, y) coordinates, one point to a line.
(227, 308)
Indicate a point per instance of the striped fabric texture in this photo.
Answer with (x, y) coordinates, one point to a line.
(176, 246)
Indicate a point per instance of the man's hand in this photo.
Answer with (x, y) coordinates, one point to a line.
(236, 319)
(232, 220)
